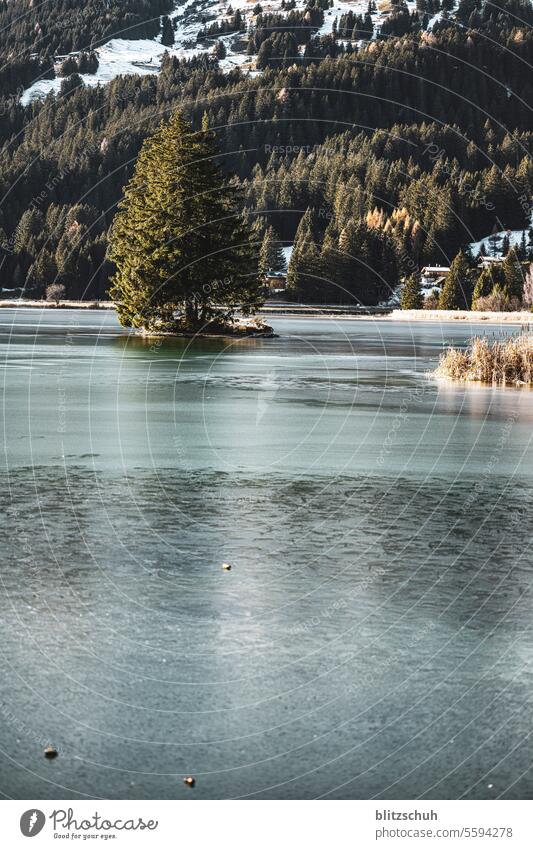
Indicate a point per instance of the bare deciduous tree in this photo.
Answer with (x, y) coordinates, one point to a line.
(55, 292)
(527, 293)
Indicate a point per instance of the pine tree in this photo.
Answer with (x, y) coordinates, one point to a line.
(65, 258)
(178, 241)
(494, 241)
(329, 263)
(28, 232)
(412, 298)
(483, 287)
(304, 266)
(513, 279)
(456, 289)
(271, 256)
(220, 50)
(167, 33)
(505, 245)
(41, 274)
(522, 250)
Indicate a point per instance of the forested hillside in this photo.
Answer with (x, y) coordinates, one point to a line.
(397, 151)
(32, 34)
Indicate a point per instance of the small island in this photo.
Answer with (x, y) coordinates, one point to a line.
(186, 262)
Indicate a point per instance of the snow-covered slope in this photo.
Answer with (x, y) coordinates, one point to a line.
(287, 252)
(436, 18)
(136, 56)
(126, 56)
(493, 244)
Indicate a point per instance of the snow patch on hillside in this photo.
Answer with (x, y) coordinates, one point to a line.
(122, 56)
(493, 244)
(119, 56)
(438, 17)
(287, 253)
(359, 7)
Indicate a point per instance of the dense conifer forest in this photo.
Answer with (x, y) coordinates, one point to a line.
(374, 157)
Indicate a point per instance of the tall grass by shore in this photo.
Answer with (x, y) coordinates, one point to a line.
(500, 362)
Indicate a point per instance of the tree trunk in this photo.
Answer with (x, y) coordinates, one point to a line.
(191, 312)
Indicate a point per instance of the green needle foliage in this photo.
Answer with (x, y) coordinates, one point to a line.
(167, 32)
(513, 275)
(412, 298)
(271, 256)
(483, 287)
(184, 256)
(455, 293)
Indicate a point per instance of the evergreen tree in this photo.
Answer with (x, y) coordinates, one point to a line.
(513, 278)
(412, 298)
(178, 241)
(483, 287)
(167, 33)
(271, 256)
(522, 250)
(304, 265)
(264, 54)
(220, 49)
(505, 245)
(68, 67)
(455, 293)
(494, 241)
(330, 259)
(42, 273)
(367, 268)
(28, 231)
(69, 85)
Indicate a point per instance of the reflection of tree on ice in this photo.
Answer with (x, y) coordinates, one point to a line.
(267, 391)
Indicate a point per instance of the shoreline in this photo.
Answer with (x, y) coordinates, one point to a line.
(51, 305)
(312, 311)
(473, 316)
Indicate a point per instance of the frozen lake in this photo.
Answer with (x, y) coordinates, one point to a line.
(373, 636)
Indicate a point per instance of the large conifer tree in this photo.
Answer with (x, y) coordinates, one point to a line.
(303, 276)
(178, 241)
(271, 256)
(513, 274)
(412, 298)
(167, 32)
(483, 287)
(455, 293)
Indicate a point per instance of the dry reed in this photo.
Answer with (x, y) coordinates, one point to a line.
(502, 362)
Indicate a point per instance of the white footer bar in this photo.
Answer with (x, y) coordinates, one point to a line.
(267, 824)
